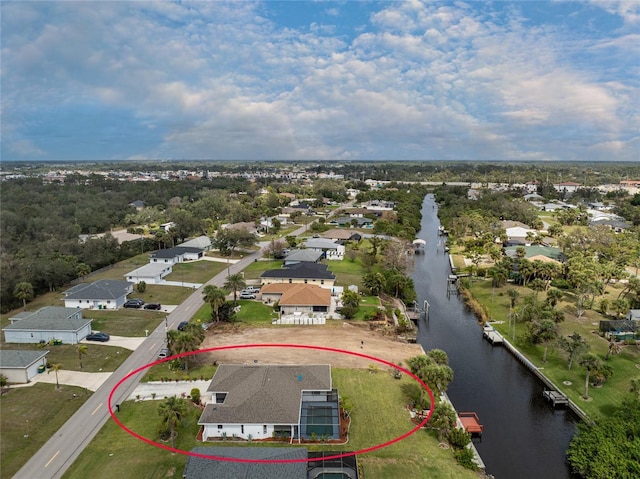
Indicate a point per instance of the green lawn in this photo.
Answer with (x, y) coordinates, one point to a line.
(199, 368)
(125, 322)
(26, 427)
(118, 270)
(196, 271)
(378, 416)
(251, 312)
(623, 364)
(347, 272)
(255, 269)
(156, 293)
(98, 358)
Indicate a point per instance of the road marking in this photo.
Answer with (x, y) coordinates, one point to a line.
(187, 309)
(96, 409)
(52, 458)
(152, 346)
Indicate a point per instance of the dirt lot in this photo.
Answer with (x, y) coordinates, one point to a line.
(346, 337)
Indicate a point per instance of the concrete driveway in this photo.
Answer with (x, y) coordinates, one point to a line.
(91, 381)
(121, 341)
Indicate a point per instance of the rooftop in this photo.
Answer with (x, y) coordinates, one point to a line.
(101, 289)
(300, 270)
(18, 358)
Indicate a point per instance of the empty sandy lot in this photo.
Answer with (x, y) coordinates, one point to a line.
(347, 338)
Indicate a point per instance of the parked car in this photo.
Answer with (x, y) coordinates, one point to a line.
(134, 303)
(102, 337)
(183, 325)
(251, 289)
(156, 306)
(164, 353)
(246, 295)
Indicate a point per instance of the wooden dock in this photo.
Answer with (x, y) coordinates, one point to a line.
(491, 335)
(556, 397)
(470, 422)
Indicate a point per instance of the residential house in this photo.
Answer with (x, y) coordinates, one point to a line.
(249, 462)
(264, 401)
(297, 297)
(302, 256)
(137, 204)
(201, 242)
(341, 235)
(348, 221)
(49, 323)
(633, 315)
(152, 273)
(167, 226)
(332, 250)
(177, 254)
(567, 187)
(306, 273)
(101, 294)
(20, 366)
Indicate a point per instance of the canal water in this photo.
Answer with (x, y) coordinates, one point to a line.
(523, 436)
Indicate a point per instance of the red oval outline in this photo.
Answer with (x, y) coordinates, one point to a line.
(271, 345)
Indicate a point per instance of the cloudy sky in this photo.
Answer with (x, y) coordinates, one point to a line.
(335, 80)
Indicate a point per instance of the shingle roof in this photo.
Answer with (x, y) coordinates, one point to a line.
(201, 242)
(150, 269)
(263, 393)
(201, 468)
(173, 252)
(306, 295)
(101, 289)
(50, 319)
(19, 358)
(300, 271)
(321, 243)
(307, 255)
(57, 312)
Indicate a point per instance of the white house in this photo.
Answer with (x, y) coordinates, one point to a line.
(46, 324)
(175, 255)
(152, 273)
(101, 294)
(567, 187)
(20, 366)
(331, 249)
(263, 401)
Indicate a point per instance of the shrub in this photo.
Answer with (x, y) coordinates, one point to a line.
(561, 283)
(459, 438)
(465, 458)
(141, 287)
(3, 380)
(195, 395)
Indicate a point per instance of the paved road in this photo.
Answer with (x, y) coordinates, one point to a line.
(57, 454)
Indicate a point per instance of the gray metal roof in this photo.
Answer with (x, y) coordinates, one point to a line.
(101, 289)
(57, 312)
(269, 394)
(19, 358)
(201, 468)
(51, 318)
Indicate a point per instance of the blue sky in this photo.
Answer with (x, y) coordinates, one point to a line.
(314, 80)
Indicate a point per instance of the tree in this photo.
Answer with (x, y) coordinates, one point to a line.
(373, 283)
(141, 287)
(351, 298)
(591, 363)
(543, 332)
(24, 292)
(575, 345)
(235, 283)
(55, 368)
(172, 410)
(275, 249)
(513, 294)
(443, 419)
(215, 297)
(82, 350)
(436, 376)
(82, 270)
(553, 296)
(620, 306)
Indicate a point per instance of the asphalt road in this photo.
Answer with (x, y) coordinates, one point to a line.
(59, 452)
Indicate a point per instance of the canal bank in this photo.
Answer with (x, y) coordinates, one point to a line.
(524, 436)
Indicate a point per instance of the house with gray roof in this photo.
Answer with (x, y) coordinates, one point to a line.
(265, 401)
(302, 256)
(49, 323)
(19, 366)
(176, 255)
(304, 272)
(152, 273)
(202, 242)
(210, 468)
(101, 294)
(332, 250)
(247, 462)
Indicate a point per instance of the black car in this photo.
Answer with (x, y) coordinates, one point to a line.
(156, 306)
(102, 337)
(183, 325)
(134, 303)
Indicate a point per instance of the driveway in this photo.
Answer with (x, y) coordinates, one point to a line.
(121, 341)
(91, 381)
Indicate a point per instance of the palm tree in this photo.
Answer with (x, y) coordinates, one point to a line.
(55, 368)
(513, 294)
(24, 292)
(591, 362)
(235, 283)
(82, 350)
(553, 296)
(215, 297)
(374, 282)
(172, 410)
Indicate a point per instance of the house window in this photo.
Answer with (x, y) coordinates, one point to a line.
(264, 429)
(242, 428)
(220, 426)
(290, 280)
(322, 281)
(306, 281)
